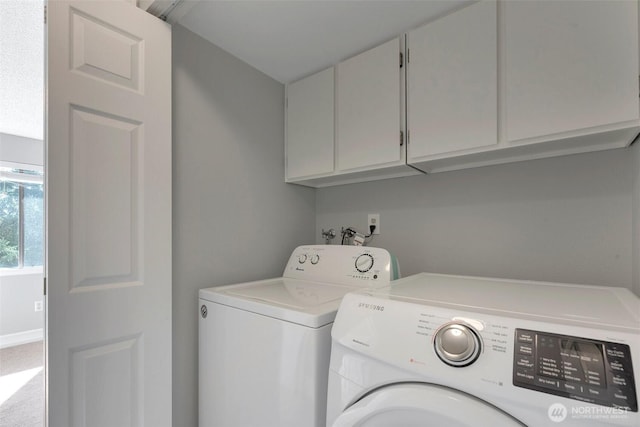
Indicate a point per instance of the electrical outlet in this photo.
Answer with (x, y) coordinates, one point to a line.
(374, 219)
(38, 305)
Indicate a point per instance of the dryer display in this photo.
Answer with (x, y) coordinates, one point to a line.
(592, 371)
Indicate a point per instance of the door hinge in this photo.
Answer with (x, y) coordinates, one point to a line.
(44, 289)
(401, 59)
(401, 138)
(45, 13)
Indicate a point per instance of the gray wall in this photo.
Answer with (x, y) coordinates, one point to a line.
(566, 219)
(234, 218)
(18, 293)
(636, 218)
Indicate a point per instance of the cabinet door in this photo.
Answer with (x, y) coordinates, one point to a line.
(452, 83)
(569, 65)
(310, 131)
(368, 116)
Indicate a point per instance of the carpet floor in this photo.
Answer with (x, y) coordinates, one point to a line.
(25, 407)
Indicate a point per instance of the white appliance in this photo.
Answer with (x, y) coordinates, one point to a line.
(265, 345)
(439, 350)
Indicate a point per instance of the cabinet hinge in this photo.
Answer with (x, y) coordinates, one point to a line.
(401, 138)
(44, 288)
(408, 55)
(401, 59)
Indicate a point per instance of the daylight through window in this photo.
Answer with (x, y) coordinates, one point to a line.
(21, 218)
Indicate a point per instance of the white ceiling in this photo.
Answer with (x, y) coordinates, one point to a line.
(22, 68)
(288, 40)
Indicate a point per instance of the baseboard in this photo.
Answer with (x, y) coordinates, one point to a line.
(19, 338)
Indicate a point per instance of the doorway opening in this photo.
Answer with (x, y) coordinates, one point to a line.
(22, 303)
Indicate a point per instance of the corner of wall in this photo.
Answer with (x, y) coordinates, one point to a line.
(636, 218)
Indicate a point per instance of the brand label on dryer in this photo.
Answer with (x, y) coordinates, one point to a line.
(374, 307)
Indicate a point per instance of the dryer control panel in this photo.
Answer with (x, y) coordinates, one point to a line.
(592, 371)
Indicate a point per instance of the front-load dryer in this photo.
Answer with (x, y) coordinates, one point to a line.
(438, 350)
(264, 346)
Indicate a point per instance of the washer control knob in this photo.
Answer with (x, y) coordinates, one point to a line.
(457, 344)
(314, 259)
(364, 263)
(302, 258)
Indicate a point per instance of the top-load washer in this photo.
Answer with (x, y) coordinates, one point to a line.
(439, 350)
(264, 345)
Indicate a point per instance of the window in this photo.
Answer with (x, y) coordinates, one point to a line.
(21, 218)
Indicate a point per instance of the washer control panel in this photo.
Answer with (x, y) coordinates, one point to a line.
(593, 371)
(343, 265)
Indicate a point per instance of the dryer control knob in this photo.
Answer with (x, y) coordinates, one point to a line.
(315, 258)
(457, 344)
(302, 258)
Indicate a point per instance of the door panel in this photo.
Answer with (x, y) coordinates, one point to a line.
(104, 51)
(108, 175)
(113, 369)
(106, 152)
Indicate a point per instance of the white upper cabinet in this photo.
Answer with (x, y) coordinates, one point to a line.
(310, 130)
(452, 83)
(493, 82)
(570, 66)
(368, 110)
(369, 100)
(565, 80)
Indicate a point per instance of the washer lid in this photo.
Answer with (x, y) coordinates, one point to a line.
(307, 303)
(422, 405)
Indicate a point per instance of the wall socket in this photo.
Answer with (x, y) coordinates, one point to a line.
(38, 305)
(374, 219)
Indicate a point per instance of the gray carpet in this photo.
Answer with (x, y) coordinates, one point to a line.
(26, 407)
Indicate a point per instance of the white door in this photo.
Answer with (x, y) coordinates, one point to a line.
(108, 175)
(422, 405)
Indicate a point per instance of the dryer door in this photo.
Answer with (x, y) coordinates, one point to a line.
(423, 405)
